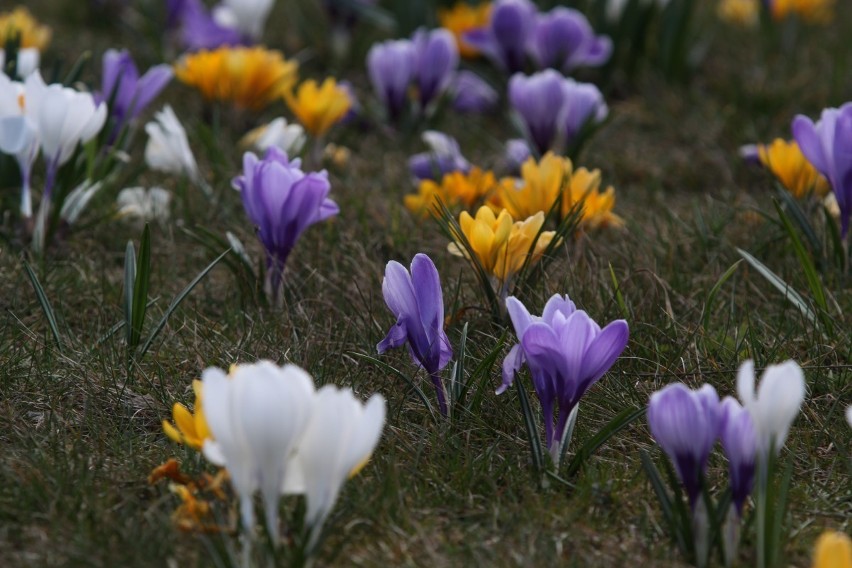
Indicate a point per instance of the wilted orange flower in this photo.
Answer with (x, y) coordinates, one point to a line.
(191, 429)
(456, 188)
(463, 17)
(318, 108)
(812, 11)
(169, 470)
(249, 77)
(19, 22)
(787, 163)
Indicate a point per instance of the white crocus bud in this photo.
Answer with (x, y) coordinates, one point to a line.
(168, 147)
(144, 204)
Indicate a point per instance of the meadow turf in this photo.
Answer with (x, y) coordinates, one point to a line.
(80, 427)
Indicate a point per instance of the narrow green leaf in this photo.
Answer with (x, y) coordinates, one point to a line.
(532, 431)
(775, 545)
(457, 376)
(621, 421)
(664, 499)
(176, 302)
(789, 293)
(140, 289)
(795, 210)
(129, 282)
(711, 296)
(45, 304)
(619, 297)
(420, 394)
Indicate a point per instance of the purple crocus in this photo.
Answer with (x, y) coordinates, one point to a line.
(563, 39)
(200, 30)
(566, 353)
(390, 65)
(583, 105)
(828, 146)
(516, 153)
(282, 201)
(435, 60)
(685, 424)
(444, 156)
(127, 92)
(471, 94)
(504, 40)
(417, 302)
(539, 99)
(740, 444)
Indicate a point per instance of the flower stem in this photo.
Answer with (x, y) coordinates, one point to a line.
(441, 393)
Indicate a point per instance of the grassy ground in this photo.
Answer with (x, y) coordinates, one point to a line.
(79, 433)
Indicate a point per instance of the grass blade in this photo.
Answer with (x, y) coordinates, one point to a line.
(792, 296)
(140, 290)
(401, 375)
(45, 305)
(532, 431)
(664, 499)
(711, 296)
(621, 421)
(129, 283)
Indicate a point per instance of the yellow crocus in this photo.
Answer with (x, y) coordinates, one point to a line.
(456, 188)
(249, 77)
(811, 11)
(745, 13)
(19, 22)
(597, 207)
(540, 185)
(520, 245)
(833, 550)
(190, 429)
(787, 163)
(318, 107)
(461, 18)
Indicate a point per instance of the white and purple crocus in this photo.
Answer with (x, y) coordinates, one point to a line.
(282, 201)
(126, 93)
(416, 300)
(828, 146)
(566, 353)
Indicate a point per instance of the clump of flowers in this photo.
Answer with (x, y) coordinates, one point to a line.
(461, 18)
(248, 77)
(456, 188)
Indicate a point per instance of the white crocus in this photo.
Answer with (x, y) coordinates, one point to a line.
(341, 437)
(774, 404)
(18, 136)
(288, 137)
(144, 204)
(77, 201)
(257, 414)
(849, 415)
(247, 16)
(168, 147)
(28, 60)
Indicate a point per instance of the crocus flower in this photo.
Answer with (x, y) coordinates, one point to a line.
(740, 445)
(18, 134)
(337, 443)
(462, 18)
(419, 312)
(435, 60)
(506, 37)
(391, 66)
(833, 549)
(19, 23)
(789, 166)
(810, 11)
(828, 146)
(189, 429)
(318, 108)
(583, 106)
(444, 156)
(26, 63)
(539, 100)
(144, 204)
(456, 188)
(685, 424)
(744, 13)
(516, 153)
(249, 77)
(566, 353)
(125, 90)
(775, 404)
(282, 201)
(541, 184)
(563, 39)
(246, 16)
(289, 138)
(849, 415)
(256, 415)
(200, 30)
(168, 148)
(472, 94)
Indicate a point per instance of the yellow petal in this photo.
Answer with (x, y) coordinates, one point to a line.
(833, 550)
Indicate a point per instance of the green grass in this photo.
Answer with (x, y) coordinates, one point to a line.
(80, 433)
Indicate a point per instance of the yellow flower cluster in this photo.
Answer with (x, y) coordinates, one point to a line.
(833, 550)
(249, 77)
(318, 108)
(500, 243)
(19, 22)
(190, 429)
(543, 182)
(787, 163)
(745, 13)
(456, 188)
(812, 11)
(463, 17)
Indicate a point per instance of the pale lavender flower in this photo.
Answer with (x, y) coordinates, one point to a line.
(563, 39)
(472, 94)
(740, 444)
(517, 152)
(435, 60)
(127, 92)
(417, 302)
(391, 66)
(282, 201)
(444, 156)
(539, 100)
(583, 106)
(506, 37)
(566, 353)
(200, 30)
(828, 146)
(686, 424)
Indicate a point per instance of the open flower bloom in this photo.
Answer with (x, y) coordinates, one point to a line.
(456, 188)
(740, 445)
(444, 156)
(168, 148)
(337, 443)
(19, 23)
(249, 77)
(472, 94)
(462, 18)
(419, 312)
(685, 424)
(810, 11)
(257, 416)
(774, 404)
(391, 67)
(566, 353)
(190, 429)
(435, 60)
(563, 39)
(833, 550)
(282, 201)
(790, 167)
(828, 146)
(318, 108)
(289, 138)
(144, 204)
(504, 39)
(123, 88)
(18, 134)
